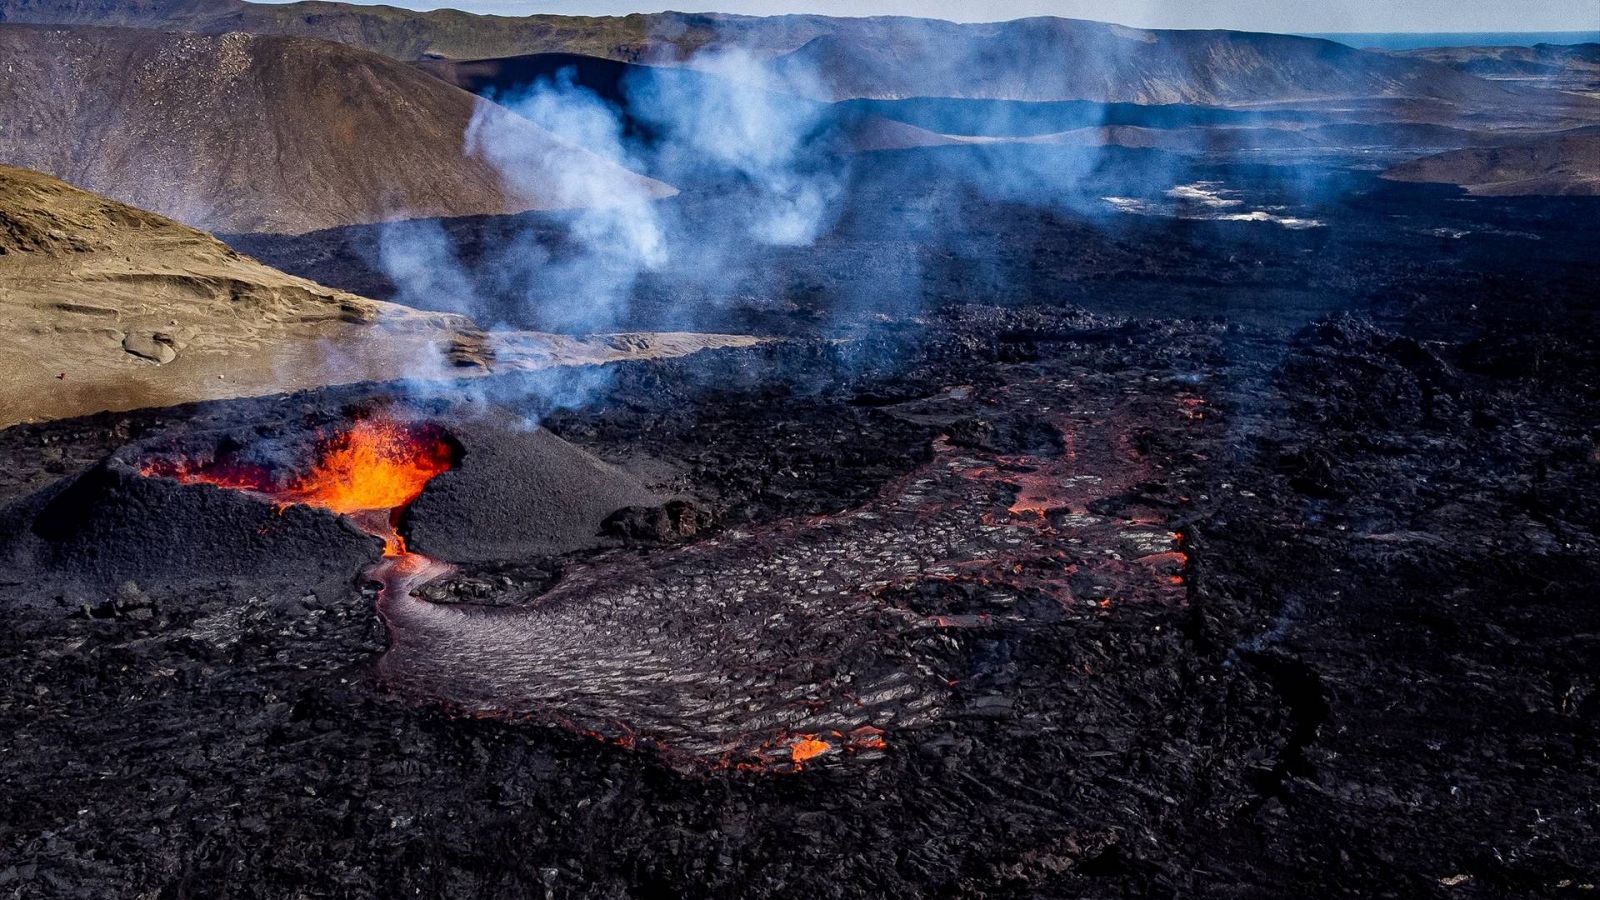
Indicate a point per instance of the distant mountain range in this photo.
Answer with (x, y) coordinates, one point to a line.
(1060, 59)
(842, 58)
(241, 132)
(875, 124)
(201, 128)
(1565, 67)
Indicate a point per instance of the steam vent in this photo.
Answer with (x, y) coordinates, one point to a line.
(831, 453)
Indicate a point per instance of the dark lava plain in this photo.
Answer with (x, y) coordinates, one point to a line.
(1371, 673)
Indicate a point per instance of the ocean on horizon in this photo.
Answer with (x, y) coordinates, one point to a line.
(1413, 41)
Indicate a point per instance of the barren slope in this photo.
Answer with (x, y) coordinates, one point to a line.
(400, 33)
(1559, 165)
(107, 307)
(1567, 67)
(240, 132)
(110, 307)
(883, 57)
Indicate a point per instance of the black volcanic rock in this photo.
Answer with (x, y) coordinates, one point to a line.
(112, 525)
(515, 494)
(1026, 435)
(673, 521)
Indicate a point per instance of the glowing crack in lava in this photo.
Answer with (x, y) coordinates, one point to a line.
(369, 471)
(806, 748)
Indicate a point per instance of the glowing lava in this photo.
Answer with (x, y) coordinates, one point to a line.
(369, 471)
(806, 748)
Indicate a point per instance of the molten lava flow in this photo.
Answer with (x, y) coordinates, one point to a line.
(369, 471)
(375, 465)
(806, 748)
(235, 476)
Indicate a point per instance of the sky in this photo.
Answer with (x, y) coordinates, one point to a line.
(1291, 16)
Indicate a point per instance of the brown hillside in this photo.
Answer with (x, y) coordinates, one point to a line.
(1565, 67)
(109, 307)
(240, 132)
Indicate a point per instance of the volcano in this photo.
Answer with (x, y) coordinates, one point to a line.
(328, 495)
(939, 496)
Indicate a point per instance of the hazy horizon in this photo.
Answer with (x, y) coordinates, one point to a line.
(1331, 17)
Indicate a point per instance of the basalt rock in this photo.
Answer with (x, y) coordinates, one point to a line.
(518, 494)
(675, 520)
(1025, 435)
(112, 524)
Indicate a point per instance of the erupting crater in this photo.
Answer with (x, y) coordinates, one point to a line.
(368, 470)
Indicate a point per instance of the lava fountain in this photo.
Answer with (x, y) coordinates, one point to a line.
(369, 471)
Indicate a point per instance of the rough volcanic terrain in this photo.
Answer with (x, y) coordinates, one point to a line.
(1058, 522)
(945, 227)
(1034, 601)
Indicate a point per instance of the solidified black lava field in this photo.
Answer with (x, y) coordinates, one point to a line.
(1076, 603)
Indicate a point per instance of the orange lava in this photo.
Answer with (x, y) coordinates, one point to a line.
(1039, 496)
(376, 464)
(806, 748)
(369, 471)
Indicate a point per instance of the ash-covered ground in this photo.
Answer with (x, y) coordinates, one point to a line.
(1130, 604)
